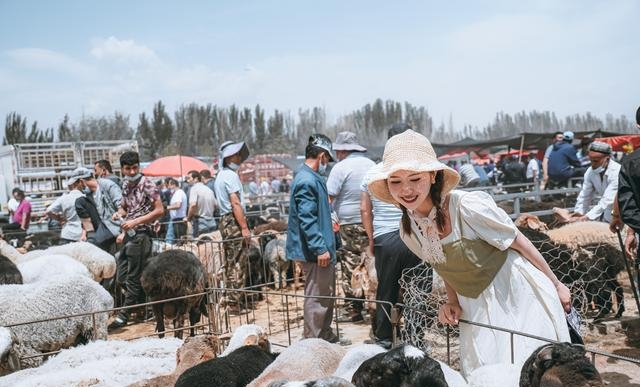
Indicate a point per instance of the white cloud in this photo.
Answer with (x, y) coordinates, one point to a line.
(47, 60)
(122, 51)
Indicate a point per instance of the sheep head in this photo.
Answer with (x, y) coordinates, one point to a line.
(532, 222)
(196, 350)
(559, 365)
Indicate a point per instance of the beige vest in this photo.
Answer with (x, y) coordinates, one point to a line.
(471, 264)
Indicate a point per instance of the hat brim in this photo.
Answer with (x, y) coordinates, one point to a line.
(232, 149)
(378, 183)
(348, 147)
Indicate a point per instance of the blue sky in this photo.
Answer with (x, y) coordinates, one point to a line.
(468, 59)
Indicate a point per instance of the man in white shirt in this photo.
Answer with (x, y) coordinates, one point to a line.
(202, 204)
(343, 186)
(177, 211)
(63, 209)
(600, 179)
(533, 169)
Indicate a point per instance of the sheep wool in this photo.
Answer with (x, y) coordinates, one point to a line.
(248, 334)
(46, 267)
(303, 360)
(355, 356)
(61, 297)
(507, 375)
(112, 363)
(101, 264)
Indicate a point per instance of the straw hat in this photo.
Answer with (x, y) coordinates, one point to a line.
(409, 151)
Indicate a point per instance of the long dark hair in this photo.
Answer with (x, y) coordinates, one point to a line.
(436, 197)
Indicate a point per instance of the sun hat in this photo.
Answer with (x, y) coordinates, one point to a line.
(600, 147)
(413, 152)
(568, 135)
(346, 141)
(322, 141)
(79, 174)
(230, 148)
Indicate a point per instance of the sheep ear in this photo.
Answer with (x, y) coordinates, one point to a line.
(251, 340)
(546, 353)
(14, 361)
(533, 224)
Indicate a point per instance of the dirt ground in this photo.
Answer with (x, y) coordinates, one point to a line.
(281, 314)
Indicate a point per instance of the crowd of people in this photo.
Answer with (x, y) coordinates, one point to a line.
(404, 210)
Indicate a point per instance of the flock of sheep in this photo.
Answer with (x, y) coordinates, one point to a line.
(47, 285)
(249, 361)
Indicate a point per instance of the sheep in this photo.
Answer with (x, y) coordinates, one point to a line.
(354, 357)
(45, 267)
(9, 272)
(192, 352)
(303, 360)
(171, 274)
(248, 334)
(364, 281)
(559, 364)
(273, 225)
(405, 366)
(101, 363)
(331, 381)
(582, 254)
(61, 296)
(101, 264)
(275, 259)
(234, 370)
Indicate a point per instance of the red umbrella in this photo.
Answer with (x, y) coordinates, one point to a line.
(174, 166)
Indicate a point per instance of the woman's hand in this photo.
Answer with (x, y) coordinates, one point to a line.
(450, 313)
(565, 296)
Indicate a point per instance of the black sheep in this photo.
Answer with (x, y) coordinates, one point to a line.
(237, 369)
(170, 274)
(404, 366)
(560, 364)
(9, 273)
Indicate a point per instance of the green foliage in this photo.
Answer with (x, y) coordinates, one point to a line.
(16, 131)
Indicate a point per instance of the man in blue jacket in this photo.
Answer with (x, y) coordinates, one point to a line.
(310, 238)
(563, 162)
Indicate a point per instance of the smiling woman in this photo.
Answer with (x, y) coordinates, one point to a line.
(492, 273)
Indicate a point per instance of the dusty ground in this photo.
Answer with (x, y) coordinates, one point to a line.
(282, 315)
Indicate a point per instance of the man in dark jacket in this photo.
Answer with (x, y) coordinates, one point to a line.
(310, 238)
(563, 162)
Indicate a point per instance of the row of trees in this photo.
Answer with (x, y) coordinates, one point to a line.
(199, 129)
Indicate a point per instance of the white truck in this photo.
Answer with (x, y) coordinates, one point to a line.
(40, 169)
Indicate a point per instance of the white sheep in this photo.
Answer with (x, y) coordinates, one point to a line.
(61, 296)
(100, 263)
(110, 363)
(194, 350)
(354, 357)
(46, 267)
(248, 334)
(303, 360)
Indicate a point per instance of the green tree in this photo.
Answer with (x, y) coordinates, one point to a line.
(15, 129)
(259, 127)
(65, 130)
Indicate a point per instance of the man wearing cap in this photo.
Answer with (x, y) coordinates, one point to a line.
(233, 223)
(343, 186)
(63, 209)
(600, 180)
(95, 209)
(310, 238)
(563, 162)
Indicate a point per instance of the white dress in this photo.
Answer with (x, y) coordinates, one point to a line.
(520, 297)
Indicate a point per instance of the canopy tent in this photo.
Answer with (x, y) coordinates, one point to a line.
(625, 144)
(174, 166)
